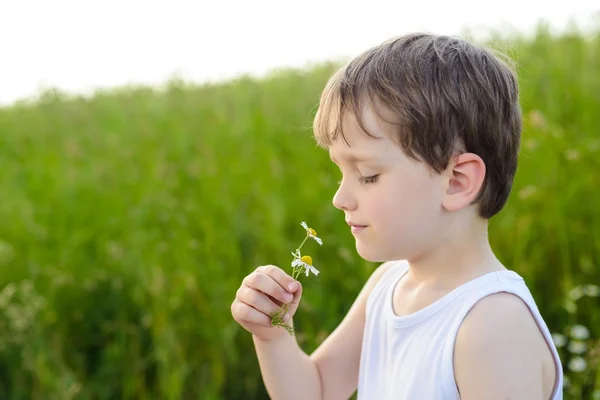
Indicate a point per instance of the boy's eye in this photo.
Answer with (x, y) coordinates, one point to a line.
(368, 179)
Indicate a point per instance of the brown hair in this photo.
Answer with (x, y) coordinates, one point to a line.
(446, 94)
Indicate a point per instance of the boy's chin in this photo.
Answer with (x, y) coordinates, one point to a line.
(379, 255)
(370, 255)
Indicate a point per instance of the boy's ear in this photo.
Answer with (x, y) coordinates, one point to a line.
(465, 174)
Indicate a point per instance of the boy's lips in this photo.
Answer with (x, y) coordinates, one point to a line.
(355, 224)
(354, 227)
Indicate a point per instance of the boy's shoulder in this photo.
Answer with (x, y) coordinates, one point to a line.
(497, 317)
(500, 349)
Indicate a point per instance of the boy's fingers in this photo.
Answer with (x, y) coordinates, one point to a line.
(280, 276)
(245, 313)
(297, 293)
(257, 300)
(275, 301)
(296, 301)
(266, 284)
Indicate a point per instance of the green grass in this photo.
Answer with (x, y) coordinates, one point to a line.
(130, 218)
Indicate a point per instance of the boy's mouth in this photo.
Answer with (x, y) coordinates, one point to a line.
(355, 227)
(354, 224)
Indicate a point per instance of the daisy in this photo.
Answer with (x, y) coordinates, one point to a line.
(580, 332)
(311, 233)
(305, 262)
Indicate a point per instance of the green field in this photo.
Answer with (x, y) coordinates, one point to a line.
(129, 219)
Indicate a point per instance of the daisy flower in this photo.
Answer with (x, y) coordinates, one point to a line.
(580, 332)
(311, 233)
(305, 263)
(300, 264)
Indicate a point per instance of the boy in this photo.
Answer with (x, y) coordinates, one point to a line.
(426, 131)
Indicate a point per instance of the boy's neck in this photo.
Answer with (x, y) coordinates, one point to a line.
(459, 256)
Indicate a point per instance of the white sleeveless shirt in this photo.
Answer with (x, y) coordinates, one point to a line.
(410, 357)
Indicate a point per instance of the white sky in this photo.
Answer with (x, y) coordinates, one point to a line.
(78, 45)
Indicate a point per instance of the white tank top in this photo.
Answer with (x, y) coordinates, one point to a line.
(410, 357)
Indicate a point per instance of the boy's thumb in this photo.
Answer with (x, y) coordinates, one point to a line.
(297, 296)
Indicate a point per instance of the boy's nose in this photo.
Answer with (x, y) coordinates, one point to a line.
(343, 199)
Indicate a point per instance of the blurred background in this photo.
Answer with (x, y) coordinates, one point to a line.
(154, 153)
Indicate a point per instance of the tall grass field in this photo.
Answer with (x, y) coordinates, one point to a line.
(129, 219)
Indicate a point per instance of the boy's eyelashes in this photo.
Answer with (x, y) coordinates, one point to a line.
(365, 180)
(368, 179)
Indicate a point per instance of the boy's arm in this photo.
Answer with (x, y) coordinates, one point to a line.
(500, 352)
(331, 372)
(338, 357)
(287, 371)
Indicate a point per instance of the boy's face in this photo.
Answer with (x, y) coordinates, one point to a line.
(396, 201)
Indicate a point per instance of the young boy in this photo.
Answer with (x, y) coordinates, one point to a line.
(425, 130)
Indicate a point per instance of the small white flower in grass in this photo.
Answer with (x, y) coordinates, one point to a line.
(577, 364)
(577, 347)
(576, 293)
(311, 233)
(559, 340)
(580, 332)
(305, 262)
(591, 290)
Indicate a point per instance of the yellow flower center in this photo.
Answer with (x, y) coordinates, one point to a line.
(307, 260)
(312, 231)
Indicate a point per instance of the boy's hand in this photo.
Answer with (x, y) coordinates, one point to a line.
(261, 294)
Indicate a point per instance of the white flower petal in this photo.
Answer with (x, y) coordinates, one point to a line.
(304, 225)
(309, 269)
(318, 240)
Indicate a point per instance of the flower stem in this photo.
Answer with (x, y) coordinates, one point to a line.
(302, 244)
(277, 318)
